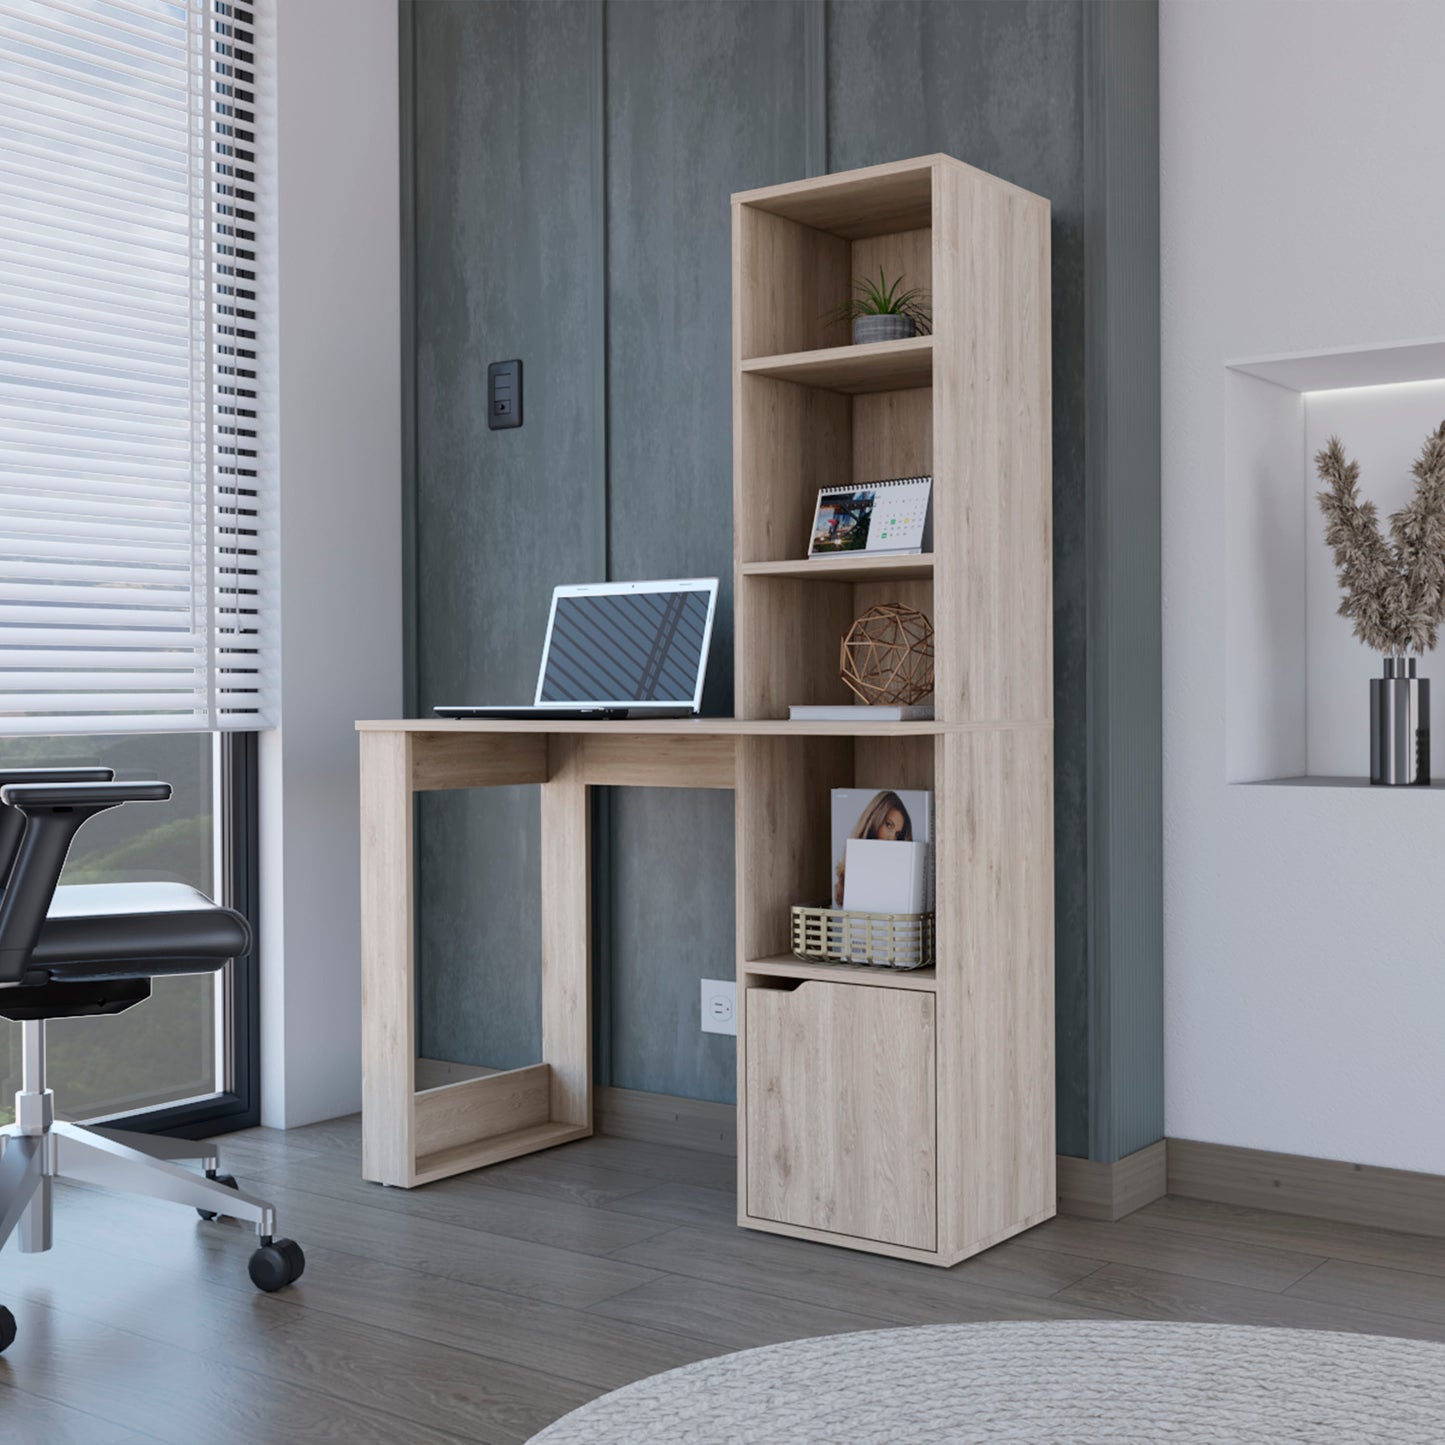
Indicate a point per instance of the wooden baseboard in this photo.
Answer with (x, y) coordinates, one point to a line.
(1089, 1189)
(1326, 1188)
(1297, 1184)
(666, 1119)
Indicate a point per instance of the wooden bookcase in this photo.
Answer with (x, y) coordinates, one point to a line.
(904, 1113)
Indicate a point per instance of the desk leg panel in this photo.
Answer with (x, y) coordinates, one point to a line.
(567, 933)
(388, 1047)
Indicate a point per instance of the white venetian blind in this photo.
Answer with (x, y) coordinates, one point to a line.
(136, 515)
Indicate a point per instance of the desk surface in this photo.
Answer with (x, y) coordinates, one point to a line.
(683, 727)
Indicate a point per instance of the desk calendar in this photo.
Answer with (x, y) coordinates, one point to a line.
(875, 518)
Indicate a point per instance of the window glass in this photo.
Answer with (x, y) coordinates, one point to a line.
(166, 1049)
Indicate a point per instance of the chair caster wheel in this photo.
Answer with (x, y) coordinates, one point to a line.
(277, 1264)
(7, 1329)
(229, 1180)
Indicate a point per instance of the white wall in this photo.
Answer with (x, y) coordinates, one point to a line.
(338, 330)
(1304, 928)
(1264, 580)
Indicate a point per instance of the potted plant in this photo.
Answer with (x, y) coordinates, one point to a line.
(1394, 593)
(884, 311)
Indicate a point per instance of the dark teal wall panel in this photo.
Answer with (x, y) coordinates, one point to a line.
(999, 84)
(507, 264)
(1121, 131)
(572, 166)
(702, 100)
(672, 901)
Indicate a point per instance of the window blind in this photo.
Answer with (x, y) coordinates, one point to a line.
(136, 510)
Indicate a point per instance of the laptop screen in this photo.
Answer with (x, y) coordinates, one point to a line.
(626, 646)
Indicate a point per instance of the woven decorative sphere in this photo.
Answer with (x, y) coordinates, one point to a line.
(887, 655)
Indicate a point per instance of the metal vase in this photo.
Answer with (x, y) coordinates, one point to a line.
(1400, 725)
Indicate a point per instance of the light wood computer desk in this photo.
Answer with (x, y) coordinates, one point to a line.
(411, 1136)
(910, 1112)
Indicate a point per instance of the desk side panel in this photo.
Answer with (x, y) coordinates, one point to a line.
(567, 933)
(388, 1040)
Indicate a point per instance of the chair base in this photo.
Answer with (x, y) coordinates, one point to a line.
(131, 1163)
(36, 1150)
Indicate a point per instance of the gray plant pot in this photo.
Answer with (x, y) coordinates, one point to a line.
(882, 328)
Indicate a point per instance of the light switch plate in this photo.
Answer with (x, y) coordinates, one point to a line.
(719, 1006)
(504, 394)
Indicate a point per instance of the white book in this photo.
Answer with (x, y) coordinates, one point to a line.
(885, 877)
(900, 814)
(861, 712)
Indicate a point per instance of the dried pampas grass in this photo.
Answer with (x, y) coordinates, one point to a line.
(1395, 590)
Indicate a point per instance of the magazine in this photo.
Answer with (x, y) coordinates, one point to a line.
(888, 814)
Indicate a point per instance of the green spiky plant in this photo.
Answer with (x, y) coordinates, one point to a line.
(1394, 591)
(885, 298)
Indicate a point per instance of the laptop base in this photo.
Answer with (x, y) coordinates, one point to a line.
(562, 712)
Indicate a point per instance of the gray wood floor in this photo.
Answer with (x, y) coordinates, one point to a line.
(483, 1307)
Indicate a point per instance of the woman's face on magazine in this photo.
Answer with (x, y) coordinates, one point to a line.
(891, 828)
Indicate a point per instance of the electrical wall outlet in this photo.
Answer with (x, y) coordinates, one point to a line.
(719, 1006)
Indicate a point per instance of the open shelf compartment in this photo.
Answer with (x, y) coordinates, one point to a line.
(801, 250)
(784, 837)
(799, 624)
(794, 440)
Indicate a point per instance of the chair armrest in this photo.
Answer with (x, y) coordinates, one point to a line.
(33, 798)
(53, 813)
(56, 775)
(12, 824)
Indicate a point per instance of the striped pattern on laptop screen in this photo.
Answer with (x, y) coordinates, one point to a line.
(626, 647)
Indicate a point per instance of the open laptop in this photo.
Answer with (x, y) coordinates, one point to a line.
(619, 649)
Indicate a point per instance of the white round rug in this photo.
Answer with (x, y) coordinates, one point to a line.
(1070, 1381)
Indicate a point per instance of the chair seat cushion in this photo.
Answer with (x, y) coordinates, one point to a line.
(135, 930)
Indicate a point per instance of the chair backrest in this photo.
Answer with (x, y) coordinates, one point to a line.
(51, 813)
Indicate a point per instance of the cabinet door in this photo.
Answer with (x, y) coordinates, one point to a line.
(841, 1110)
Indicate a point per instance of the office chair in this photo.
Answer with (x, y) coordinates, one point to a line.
(86, 949)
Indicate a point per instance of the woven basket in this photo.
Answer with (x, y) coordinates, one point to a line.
(885, 940)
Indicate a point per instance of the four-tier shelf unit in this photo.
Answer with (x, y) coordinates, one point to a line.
(908, 1113)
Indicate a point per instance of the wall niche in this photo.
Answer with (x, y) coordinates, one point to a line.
(1296, 679)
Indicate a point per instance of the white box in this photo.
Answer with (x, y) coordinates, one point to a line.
(886, 877)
